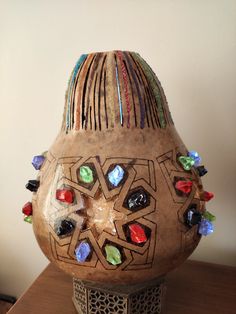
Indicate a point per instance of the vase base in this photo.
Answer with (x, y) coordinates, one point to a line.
(97, 298)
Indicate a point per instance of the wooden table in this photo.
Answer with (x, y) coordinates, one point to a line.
(194, 288)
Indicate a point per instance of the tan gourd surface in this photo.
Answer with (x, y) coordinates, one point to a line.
(145, 143)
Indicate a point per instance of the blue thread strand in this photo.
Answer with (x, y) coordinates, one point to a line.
(75, 71)
(119, 97)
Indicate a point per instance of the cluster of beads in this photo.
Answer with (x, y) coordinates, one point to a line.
(32, 185)
(192, 160)
(193, 216)
(204, 221)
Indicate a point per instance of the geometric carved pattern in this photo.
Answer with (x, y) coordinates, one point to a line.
(139, 173)
(147, 301)
(80, 296)
(101, 300)
(171, 169)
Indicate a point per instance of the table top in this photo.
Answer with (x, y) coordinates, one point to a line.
(195, 287)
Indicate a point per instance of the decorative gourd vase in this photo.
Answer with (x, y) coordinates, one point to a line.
(118, 202)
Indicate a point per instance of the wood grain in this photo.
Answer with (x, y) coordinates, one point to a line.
(4, 307)
(195, 287)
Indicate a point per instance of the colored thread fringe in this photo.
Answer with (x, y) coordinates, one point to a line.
(151, 77)
(119, 97)
(125, 79)
(136, 84)
(133, 74)
(70, 87)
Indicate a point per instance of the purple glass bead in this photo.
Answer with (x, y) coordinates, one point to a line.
(197, 159)
(82, 251)
(205, 227)
(38, 161)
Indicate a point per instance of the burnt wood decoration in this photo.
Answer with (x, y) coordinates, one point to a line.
(116, 113)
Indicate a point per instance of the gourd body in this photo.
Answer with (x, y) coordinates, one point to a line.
(116, 119)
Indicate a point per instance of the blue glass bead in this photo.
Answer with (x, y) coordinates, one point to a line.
(116, 175)
(38, 161)
(82, 251)
(205, 227)
(197, 159)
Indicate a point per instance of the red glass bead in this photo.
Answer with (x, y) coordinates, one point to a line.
(65, 195)
(137, 233)
(184, 186)
(27, 209)
(207, 196)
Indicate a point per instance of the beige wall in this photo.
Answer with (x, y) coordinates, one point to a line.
(190, 44)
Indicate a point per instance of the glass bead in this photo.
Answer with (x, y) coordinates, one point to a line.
(205, 227)
(206, 196)
(137, 200)
(38, 161)
(64, 227)
(193, 217)
(137, 233)
(201, 171)
(186, 162)
(116, 175)
(113, 255)
(32, 185)
(184, 186)
(28, 219)
(65, 195)
(207, 215)
(83, 251)
(27, 209)
(197, 159)
(86, 174)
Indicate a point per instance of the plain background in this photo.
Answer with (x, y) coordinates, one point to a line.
(191, 45)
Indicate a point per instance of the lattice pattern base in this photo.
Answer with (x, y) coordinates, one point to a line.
(92, 298)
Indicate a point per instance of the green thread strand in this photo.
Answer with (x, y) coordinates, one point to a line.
(151, 77)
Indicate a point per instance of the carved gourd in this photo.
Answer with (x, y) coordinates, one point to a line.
(108, 207)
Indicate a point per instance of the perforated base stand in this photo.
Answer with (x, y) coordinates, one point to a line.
(94, 298)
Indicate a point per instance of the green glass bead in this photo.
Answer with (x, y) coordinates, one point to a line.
(186, 162)
(209, 216)
(86, 174)
(28, 219)
(113, 255)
